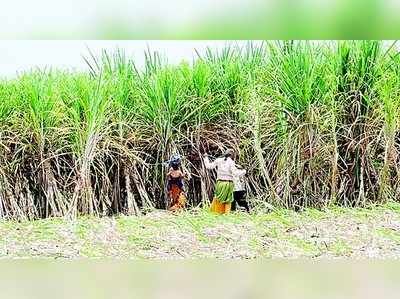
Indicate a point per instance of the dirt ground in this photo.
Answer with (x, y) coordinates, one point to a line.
(332, 233)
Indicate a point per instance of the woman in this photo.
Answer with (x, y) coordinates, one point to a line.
(226, 171)
(175, 185)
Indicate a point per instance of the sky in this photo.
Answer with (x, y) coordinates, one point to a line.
(199, 19)
(77, 18)
(18, 56)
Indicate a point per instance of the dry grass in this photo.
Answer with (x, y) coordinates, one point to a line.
(333, 233)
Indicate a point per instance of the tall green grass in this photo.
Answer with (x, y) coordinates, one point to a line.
(315, 124)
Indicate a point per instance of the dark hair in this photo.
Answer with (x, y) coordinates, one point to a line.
(175, 166)
(228, 153)
(175, 162)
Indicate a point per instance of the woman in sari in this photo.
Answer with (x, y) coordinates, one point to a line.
(175, 185)
(226, 171)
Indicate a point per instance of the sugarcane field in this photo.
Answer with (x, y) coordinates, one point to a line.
(273, 149)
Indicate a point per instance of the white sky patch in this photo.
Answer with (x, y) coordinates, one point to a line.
(19, 56)
(27, 18)
(23, 17)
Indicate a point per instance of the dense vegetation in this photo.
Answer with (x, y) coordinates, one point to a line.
(314, 123)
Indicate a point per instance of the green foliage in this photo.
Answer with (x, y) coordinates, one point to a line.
(313, 123)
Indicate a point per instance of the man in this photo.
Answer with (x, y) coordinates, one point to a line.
(239, 191)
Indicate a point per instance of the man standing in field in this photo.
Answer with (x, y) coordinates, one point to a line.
(239, 191)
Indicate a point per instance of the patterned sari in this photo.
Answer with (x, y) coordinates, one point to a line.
(176, 194)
